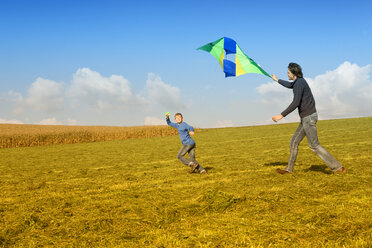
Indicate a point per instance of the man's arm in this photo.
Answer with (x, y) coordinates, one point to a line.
(286, 84)
(297, 94)
(283, 82)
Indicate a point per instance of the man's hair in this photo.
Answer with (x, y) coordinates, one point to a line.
(295, 69)
(178, 114)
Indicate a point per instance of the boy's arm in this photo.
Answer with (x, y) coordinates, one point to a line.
(170, 123)
(190, 129)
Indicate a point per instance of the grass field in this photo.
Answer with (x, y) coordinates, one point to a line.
(135, 193)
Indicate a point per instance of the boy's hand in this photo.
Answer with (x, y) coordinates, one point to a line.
(191, 133)
(167, 115)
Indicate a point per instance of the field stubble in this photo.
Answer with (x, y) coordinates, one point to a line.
(135, 193)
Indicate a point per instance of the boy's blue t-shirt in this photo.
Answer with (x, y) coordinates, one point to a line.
(183, 131)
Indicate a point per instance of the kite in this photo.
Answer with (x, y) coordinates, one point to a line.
(243, 64)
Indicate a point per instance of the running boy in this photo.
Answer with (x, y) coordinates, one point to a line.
(184, 131)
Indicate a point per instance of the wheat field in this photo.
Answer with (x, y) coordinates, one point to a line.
(17, 135)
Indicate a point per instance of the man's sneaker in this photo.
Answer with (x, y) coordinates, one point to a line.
(203, 171)
(280, 171)
(341, 170)
(193, 167)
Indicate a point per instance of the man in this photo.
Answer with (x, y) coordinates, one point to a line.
(303, 100)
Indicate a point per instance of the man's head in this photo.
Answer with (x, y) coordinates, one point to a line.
(178, 117)
(294, 71)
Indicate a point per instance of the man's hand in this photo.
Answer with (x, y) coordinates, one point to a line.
(274, 77)
(277, 118)
(191, 132)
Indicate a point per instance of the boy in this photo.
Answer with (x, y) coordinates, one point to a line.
(303, 100)
(184, 131)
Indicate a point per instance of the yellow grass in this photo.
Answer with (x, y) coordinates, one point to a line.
(17, 135)
(135, 193)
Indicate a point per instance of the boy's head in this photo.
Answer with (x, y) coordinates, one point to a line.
(178, 117)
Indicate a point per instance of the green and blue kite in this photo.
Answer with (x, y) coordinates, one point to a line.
(243, 64)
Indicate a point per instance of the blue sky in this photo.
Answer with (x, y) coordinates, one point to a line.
(152, 46)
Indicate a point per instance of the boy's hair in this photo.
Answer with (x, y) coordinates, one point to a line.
(178, 114)
(295, 69)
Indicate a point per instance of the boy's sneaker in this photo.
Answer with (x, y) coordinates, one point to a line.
(203, 171)
(193, 167)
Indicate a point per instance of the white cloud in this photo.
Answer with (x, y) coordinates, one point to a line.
(149, 121)
(45, 95)
(224, 123)
(162, 93)
(274, 94)
(90, 95)
(270, 88)
(13, 121)
(72, 122)
(50, 121)
(344, 92)
(101, 92)
(341, 93)
(16, 99)
(54, 121)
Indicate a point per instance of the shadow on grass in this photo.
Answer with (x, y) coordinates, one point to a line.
(208, 168)
(275, 163)
(320, 168)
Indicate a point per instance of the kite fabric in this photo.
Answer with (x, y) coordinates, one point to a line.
(243, 64)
